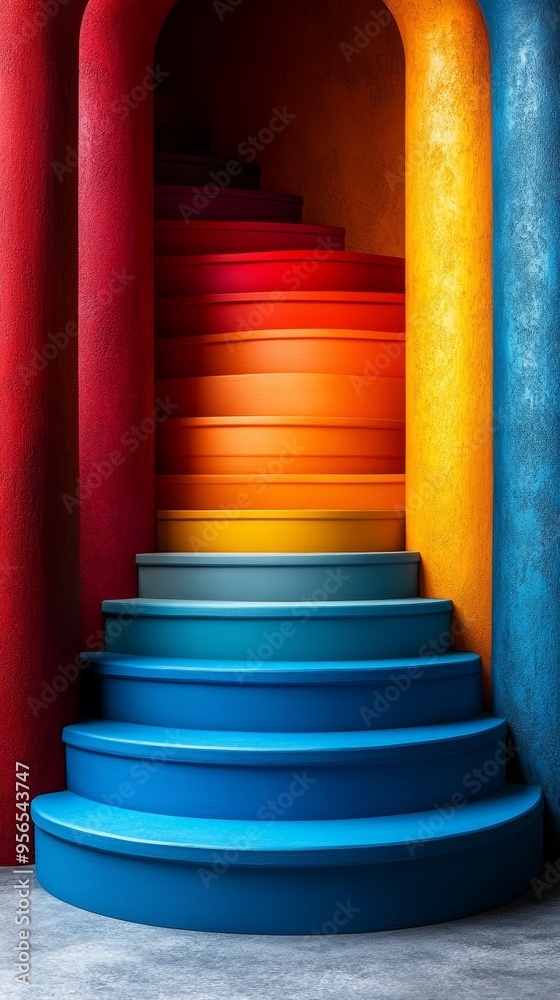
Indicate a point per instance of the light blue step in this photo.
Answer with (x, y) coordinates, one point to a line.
(335, 876)
(285, 776)
(338, 630)
(361, 576)
(286, 697)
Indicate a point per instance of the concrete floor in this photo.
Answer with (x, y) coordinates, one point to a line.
(508, 954)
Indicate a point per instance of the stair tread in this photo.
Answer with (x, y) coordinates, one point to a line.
(273, 559)
(310, 296)
(264, 256)
(304, 842)
(248, 226)
(232, 192)
(131, 739)
(198, 158)
(284, 672)
(156, 607)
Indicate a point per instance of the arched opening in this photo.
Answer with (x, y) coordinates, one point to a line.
(295, 399)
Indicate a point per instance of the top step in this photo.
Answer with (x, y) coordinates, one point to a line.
(186, 168)
(175, 138)
(214, 202)
(197, 237)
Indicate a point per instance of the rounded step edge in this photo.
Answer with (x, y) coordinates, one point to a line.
(210, 274)
(341, 630)
(179, 316)
(363, 355)
(207, 499)
(337, 876)
(239, 529)
(287, 697)
(285, 776)
(280, 577)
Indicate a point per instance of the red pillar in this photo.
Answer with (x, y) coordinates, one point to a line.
(38, 394)
(116, 494)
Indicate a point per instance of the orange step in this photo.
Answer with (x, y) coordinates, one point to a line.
(198, 237)
(363, 354)
(273, 491)
(209, 314)
(224, 445)
(284, 394)
(280, 531)
(318, 270)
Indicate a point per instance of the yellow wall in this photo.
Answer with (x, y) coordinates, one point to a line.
(449, 323)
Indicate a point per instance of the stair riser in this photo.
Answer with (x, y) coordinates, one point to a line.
(181, 317)
(269, 491)
(176, 238)
(189, 447)
(217, 203)
(184, 531)
(369, 582)
(297, 708)
(201, 171)
(363, 358)
(300, 790)
(283, 395)
(175, 139)
(193, 277)
(218, 896)
(281, 638)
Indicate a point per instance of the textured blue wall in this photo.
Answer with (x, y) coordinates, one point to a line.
(525, 46)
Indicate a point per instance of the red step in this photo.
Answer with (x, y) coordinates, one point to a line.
(184, 168)
(362, 354)
(285, 394)
(213, 202)
(209, 314)
(177, 237)
(319, 270)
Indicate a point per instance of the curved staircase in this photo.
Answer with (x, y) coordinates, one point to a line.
(283, 740)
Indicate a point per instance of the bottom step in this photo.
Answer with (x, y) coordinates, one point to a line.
(308, 877)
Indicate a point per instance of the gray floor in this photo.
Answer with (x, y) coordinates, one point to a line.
(508, 953)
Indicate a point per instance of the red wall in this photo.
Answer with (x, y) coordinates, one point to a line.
(344, 151)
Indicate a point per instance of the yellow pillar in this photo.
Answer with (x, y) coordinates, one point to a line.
(449, 303)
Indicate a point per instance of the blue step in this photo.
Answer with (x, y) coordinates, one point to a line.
(290, 697)
(286, 776)
(338, 630)
(314, 877)
(360, 576)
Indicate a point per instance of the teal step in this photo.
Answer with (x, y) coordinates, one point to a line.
(308, 877)
(289, 776)
(360, 576)
(338, 630)
(287, 697)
